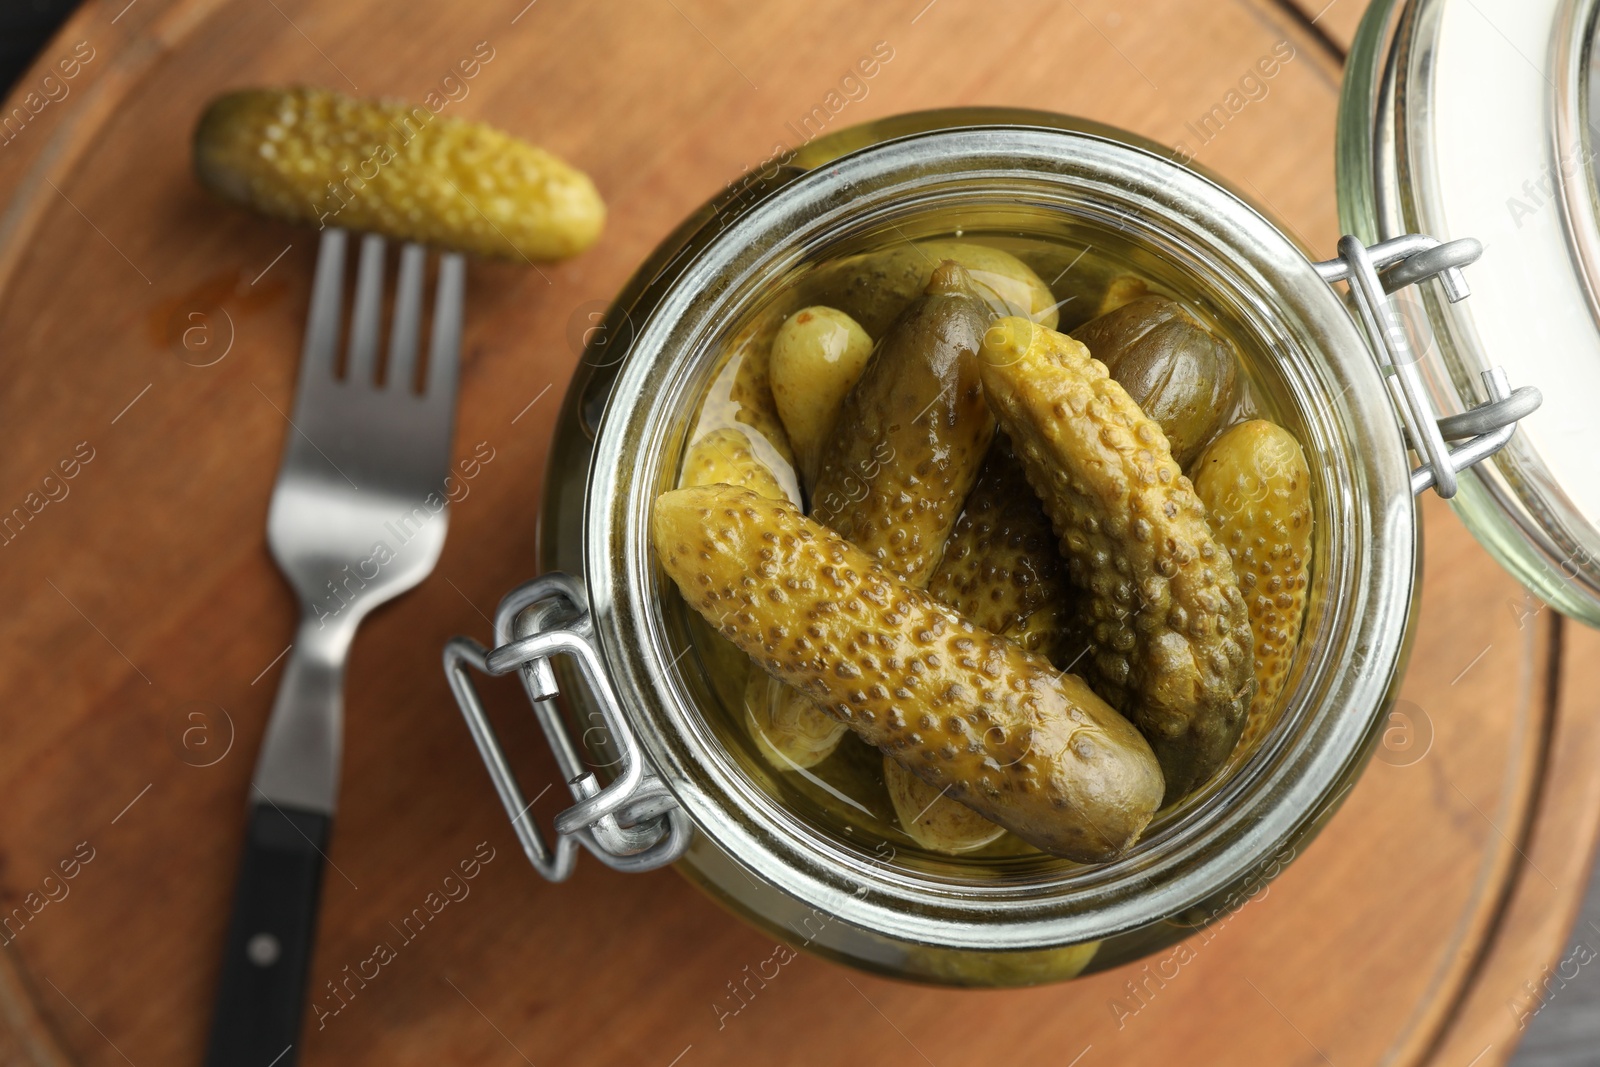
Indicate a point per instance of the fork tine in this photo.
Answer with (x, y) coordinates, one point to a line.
(444, 349)
(321, 345)
(367, 315)
(407, 324)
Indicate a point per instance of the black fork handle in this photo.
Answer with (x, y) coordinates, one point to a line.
(261, 995)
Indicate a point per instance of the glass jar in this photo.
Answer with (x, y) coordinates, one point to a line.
(1426, 143)
(659, 774)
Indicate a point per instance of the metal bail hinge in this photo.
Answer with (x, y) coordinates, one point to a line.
(1484, 429)
(632, 824)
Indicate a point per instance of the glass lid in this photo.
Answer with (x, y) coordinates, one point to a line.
(1471, 118)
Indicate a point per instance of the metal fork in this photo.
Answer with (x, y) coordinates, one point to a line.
(358, 517)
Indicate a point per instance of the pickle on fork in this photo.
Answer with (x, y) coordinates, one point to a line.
(911, 436)
(305, 155)
(996, 727)
(1169, 636)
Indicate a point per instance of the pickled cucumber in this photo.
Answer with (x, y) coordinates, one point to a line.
(1025, 745)
(312, 156)
(1179, 373)
(1000, 571)
(917, 367)
(1000, 568)
(740, 397)
(726, 456)
(818, 356)
(750, 391)
(1123, 289)
(874, 288)
(931, 818)
(1256, 486)
(911, 436)
(1168, 629)
(990, 969)
(790, 729)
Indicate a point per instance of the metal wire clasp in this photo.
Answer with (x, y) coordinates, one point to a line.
(1404, 261)
(632, 824)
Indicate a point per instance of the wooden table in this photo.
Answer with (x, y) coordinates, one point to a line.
(144, 621)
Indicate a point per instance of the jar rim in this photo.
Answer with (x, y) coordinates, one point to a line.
(1243, 829)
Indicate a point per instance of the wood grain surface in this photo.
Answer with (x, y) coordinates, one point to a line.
(138, 653)
(1336, 19)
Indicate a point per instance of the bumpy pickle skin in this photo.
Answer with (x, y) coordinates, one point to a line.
(790, 729)
(726, 456)
(750, 391)
(932, 819)
(912, 435)
(915, 351)
(998, 728)
(316, 157)
(1001, 571)
(1000, 567)
(818, 356)
(1169, 636)
(1256, 486)
(1179, 373)
(740, 397)
(875, 287)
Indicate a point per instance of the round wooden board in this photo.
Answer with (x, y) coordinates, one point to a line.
(139, 651)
